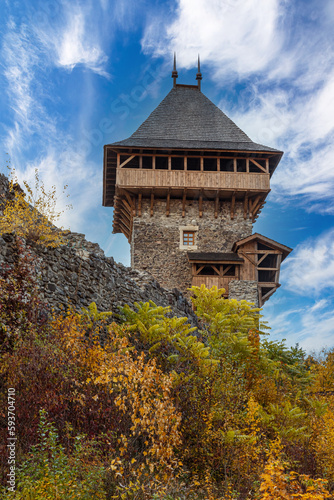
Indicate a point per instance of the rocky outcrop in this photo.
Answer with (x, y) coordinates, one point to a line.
(79, 273)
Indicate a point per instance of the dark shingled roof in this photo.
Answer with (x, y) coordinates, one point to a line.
(213, 256)
(187, 119)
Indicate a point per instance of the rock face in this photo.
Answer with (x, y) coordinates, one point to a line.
(78, 273)
(156, 245)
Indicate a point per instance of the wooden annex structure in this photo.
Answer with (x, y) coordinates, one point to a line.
(188, 154)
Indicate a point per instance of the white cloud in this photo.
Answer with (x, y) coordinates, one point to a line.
(310, 268)
(76, 45)
(71, 167)
(233, 35)
(311, 324)
(301, 125)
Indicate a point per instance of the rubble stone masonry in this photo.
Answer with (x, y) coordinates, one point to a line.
(155, 245)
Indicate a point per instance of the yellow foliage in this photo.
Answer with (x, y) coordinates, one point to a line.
(141, 394)
(32, 215)
(324, 442)
(277, 484)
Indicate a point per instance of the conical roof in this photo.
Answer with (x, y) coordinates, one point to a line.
(186, 118)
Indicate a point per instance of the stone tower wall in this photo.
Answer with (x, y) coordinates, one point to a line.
(155, 245)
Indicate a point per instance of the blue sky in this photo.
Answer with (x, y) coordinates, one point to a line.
(76, 75)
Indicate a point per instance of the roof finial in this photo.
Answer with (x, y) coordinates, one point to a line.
(174, 72)
(199, 75)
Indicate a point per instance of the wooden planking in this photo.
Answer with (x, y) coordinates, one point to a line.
(136, 178)
(248, 269)
(210, 281)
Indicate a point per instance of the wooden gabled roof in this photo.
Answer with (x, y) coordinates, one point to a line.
(266, 241)
(187, 119)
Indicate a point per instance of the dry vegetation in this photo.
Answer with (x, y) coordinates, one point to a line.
(145, 407)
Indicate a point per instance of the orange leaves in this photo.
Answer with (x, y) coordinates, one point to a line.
(278, 483)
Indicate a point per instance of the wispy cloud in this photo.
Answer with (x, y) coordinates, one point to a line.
(302, 126)
(72, 39)
(308, 324)
(310, 269)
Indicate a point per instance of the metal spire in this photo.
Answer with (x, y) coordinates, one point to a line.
(174, 72)
(199, 75)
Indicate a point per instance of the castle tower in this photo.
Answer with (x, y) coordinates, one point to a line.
(186, 188)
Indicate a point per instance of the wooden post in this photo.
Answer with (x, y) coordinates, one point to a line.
(185, 163)
(201, 204)
(202, 163)
(232, 206)
(234, 165)
(153, 162)
(168, 204)
(246, 205)
(169, 163)
(216, 204)
(140, 162)
(139, 204)
(152, 203)
(184, 202)
(218, 164)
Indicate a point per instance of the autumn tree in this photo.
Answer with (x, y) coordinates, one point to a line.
(32, 214)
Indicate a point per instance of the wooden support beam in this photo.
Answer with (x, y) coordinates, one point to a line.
(131, 203)
(267, 165)
(152, 204)
(140, 162)
(185, 163)
(279, 260)
(127, 206)
(153, 162)
(139, 204)
(118, 160)
(124, 213)
(200, 204)
(126, 161)
(258, 165)
(234, 165)
(198, 270)
(218, 164)
(184, 198)
(202, 163)
(248, 258)
(169, 163)
(168, 204)
(232, 206)
(253, 204)
(216, 204)
(268, 294)
(247, 165)
(226, 269)
(125, 229)
(263, 257)
(268, 269)
(246, 205)
(215, 269)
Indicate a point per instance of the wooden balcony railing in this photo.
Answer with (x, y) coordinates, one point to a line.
(173, 179)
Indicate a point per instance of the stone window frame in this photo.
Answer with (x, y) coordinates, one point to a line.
(188, 228)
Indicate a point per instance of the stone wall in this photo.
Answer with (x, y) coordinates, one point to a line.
(244, 290)
(155, 245)
(78, 273)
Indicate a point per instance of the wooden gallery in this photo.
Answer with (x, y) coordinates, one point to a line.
(186, 188)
